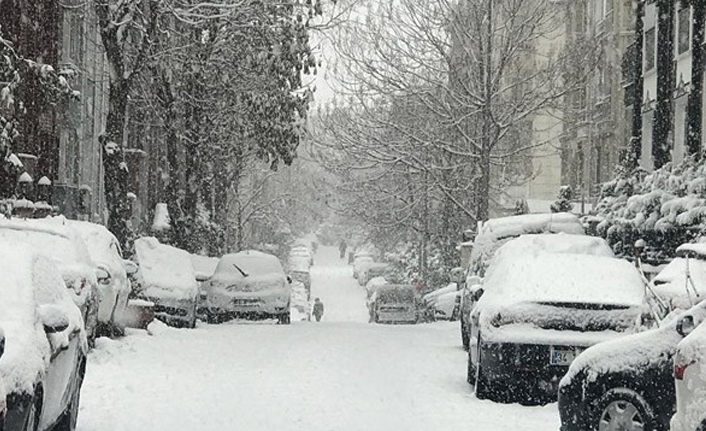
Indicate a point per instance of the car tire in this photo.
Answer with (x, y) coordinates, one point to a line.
(465, 339)
(619, 406)
(34, 413)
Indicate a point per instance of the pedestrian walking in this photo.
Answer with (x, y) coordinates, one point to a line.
(342, 248)
(318, 311)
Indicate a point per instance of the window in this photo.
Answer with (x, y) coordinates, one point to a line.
(76, 38)
(684, 30)
(649, 49)
(579, 17)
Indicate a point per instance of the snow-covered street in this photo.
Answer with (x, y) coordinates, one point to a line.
(338, 375)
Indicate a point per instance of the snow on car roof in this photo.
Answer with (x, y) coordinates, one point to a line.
(495, 232)
(59, 242)
(29, 280)
(251, 261)
(698, 249)
(204, 266)
(671, 282)
(563, 278)
(96, 237)
(693, 347)
(165, 268)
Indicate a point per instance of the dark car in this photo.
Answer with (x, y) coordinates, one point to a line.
(625, 384)
(44, 345)
(539, 312)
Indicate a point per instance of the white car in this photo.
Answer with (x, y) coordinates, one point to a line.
(44, 344)
(443, 302)
(249, 284)
(167, 278)
(360, 260)
(539, 311)
(682, 283)
(114, 286)
(67, 250)
(690, 378)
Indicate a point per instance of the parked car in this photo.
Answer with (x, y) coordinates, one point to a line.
(690, 377)
(44, 344)
(67, 250)
(167, 279)
(249, 284)
(395, 304)
(524, 244)
(204, 267)
(360, 260)
(539, 311)
(301, 257)
(626, 382)
(492, 235)
(372, 270)
(114, 286)
(443, 302)
(682, 283)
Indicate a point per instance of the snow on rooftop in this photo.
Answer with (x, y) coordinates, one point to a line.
(165, 270)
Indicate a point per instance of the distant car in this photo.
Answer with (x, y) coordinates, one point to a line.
(524, 244)
(625, 383)
(690, 377)
(682, 283)
(114, 287)
(249, 284)
(443, 302)
(67, 250)
(395, 304)
(303, 277)
(372, 270)
(301, 257)
(167, 278)
(496, 232)
(539, 311)
(360, 260)
(44, 345)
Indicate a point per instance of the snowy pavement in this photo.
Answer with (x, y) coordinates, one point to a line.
(342, 374)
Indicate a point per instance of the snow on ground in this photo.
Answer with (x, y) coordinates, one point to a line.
(342, 374)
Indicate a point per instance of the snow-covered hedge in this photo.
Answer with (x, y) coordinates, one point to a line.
(666, 208)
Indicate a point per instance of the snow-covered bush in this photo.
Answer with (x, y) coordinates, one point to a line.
(665, 208)
(563, 203)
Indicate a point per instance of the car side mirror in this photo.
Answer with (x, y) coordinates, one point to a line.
(685, 325)
(289, 279)
(103, 275)
(2, 342)
(53, 318)
(131, 267)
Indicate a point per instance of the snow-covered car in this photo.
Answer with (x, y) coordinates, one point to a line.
(444, 302)
(249, 284)
(372, 270)
(534, 243)
(300, 257)
(114, 287)
(494, 234)
(625, 383)
(539, 311)
(167, 278)
(395, 304)
(360, 260)
(301, 301)
(67, 250)
(690, 377)
(204, 267)
(44, 345)
(682, 283)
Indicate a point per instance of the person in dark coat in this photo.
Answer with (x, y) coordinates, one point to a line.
(318, 309)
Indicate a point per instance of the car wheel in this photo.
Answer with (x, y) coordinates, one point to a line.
(35, 410)
(465, 339)
(622, 409)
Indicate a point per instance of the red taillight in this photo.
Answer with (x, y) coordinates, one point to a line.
(679, 370)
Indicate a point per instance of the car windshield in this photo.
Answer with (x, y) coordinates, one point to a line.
(395, 295)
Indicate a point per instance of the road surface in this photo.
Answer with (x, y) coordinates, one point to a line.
(342, 374)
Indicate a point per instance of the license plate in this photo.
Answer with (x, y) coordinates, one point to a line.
(559, 356)
(245, 302)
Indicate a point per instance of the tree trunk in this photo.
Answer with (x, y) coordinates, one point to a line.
(634, 155)
(695, 104)
(661, 144)
(114, 166)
